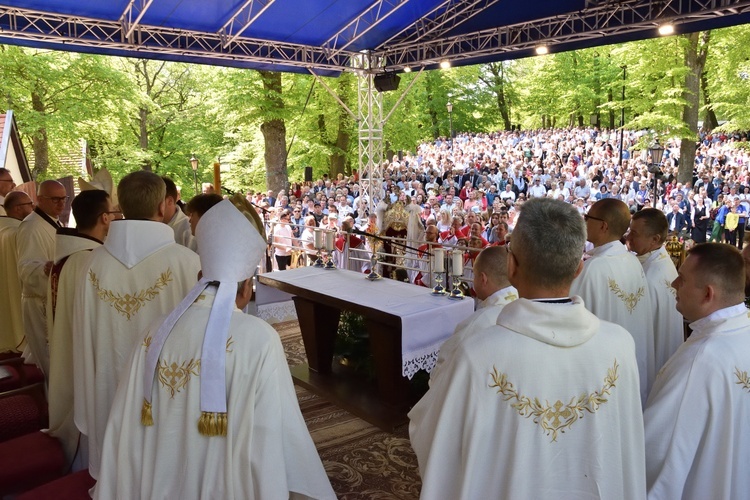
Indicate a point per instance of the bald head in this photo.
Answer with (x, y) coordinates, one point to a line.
(616, 214)
(18, 205)
(491, 271)
(51, 198)
(6, 182)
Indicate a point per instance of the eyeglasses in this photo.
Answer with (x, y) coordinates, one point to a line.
(7, 180)
(114, 212)
(586, 217)
(57, 199)
(22, 204)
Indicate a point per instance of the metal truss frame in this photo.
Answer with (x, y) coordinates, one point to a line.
(72, 31)
(423, 44)
(601, 19)
(370, 125)
(363, 23)
(135, 8)
(246, 15)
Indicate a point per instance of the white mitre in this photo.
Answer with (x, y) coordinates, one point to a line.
(101, 180)
(231, 249)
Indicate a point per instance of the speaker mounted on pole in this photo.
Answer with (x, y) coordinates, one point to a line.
(386, 82)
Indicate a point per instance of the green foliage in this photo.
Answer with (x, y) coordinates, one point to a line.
(150, 114)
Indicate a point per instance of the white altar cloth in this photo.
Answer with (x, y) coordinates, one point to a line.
(426, 320)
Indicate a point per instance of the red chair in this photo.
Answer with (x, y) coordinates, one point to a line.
(74, 486)
(20, 374)
(30, 461)
(23, 411)
(28, 457)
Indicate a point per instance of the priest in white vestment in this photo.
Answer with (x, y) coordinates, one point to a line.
(35, 241)
(18, 206)
(6, 186)
(648, 233)
(137, 275)
(349, 250)
(93, 213)
(545, 404)
(426, 258)
(207, 408)
(613, 285)
(697, 439)
(176, 219)
(494, 292)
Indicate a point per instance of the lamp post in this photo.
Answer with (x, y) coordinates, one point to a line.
(194, 165)
(656, 152)
(450, 122)
(622, 113)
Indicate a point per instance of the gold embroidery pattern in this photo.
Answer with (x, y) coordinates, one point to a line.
(670, 288)
(128, 305)
(230, 341)
(147, 342)
(743, 379)
(630, 299)
(558, 417)
(174, 377)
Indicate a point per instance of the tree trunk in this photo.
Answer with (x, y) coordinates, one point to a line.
(710, 121)
(343, 137)
(274, 133)
(143, 136)
(611, 98)
(696, 51)
(39, 139)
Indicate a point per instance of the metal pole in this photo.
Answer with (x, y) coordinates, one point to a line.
(450, 126)
(195, 178)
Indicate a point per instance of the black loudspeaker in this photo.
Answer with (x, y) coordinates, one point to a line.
(308, 174)
(386, 82)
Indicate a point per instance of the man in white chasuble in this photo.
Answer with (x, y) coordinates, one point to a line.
(138, 274)
(206, 408)
(544, 404)
(648, 233)
(494, 292)
(18, 206)
(93, 213)
(35, 244)
(697, 439)
(613, 285)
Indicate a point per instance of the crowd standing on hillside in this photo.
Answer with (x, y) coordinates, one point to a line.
(494, 174)
(571, 378)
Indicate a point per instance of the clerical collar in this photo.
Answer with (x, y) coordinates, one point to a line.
(562, 300)
(718, 315)
(47, 218)
(643, 258)
(71, 231)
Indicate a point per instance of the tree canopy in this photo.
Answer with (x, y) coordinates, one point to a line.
(264, 128)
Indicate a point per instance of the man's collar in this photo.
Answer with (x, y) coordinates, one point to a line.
(46, 217)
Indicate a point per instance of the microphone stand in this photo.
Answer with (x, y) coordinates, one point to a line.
(354, 230)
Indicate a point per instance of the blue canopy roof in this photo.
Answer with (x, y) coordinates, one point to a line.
(325, 36)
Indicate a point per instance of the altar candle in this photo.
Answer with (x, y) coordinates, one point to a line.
(438, 260)
(458, 263)
(329, 240)
(318, 239)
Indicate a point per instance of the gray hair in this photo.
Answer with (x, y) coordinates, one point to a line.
(549, 238)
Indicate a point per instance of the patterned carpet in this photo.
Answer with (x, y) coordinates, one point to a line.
(362, 461)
